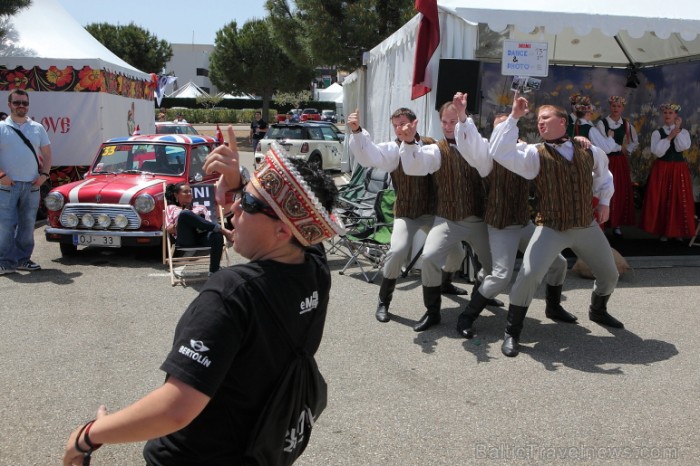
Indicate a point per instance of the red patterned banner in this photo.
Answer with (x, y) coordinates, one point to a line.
(74, 80)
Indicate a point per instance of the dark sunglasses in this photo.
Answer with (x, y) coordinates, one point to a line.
(251, 205)
(20, 103)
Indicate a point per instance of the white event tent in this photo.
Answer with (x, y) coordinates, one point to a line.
(189, 91)
(79, 90)
(592, 33)
(333, 93)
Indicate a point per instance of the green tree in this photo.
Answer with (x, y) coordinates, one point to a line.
(10, 8)
(248, 60)
(293, 98)
(334, 33)
(134, 45)
(208, 101)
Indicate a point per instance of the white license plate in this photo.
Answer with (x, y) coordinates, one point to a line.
(105, 241)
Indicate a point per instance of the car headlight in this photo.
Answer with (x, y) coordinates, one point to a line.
(144, 203)
(54, 201)
(69, 220)
(88, 220)
(103, 220)
(120, 221)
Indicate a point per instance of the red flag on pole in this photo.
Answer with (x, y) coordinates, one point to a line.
(219, 136)
(426, 43)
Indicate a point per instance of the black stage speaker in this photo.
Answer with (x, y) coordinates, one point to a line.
(457, 75)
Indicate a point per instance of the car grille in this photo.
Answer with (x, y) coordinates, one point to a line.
(112, 210)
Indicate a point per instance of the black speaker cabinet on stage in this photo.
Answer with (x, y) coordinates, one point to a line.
(456, 75)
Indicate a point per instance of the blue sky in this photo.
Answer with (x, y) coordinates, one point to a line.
(176, 21)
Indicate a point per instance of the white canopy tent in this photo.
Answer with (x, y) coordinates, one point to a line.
(245, 96)
(189, 91)
(594, 33)
(333, 93)
(43, 37)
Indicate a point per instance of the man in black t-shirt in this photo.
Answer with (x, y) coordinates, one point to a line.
(226, 358)
(258, 128)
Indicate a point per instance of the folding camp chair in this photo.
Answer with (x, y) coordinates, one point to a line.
(368, 237)
(192, 263)
(363, 188)
(356, 199)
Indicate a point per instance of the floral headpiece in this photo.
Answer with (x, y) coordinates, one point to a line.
(617, 99)
(582, 103)
(668, 106)
(573, 98)
(285, 190)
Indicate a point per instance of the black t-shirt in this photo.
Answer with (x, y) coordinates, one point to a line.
(258, 124)
(227, 346)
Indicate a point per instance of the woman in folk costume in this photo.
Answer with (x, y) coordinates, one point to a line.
(623, 139)
(573, 99)
(582, 125)
(669, 206)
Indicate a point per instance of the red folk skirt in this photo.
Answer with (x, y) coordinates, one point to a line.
(622, 203)
(669, 206)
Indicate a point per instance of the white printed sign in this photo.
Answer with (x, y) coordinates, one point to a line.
(523, 58)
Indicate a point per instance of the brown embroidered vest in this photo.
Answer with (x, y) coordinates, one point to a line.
(457, 186)
(506, 198)
(564, 189)
(413, 194)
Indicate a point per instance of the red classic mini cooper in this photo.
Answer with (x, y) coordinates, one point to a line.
(120, 201)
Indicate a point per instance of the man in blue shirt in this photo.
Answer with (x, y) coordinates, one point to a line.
(25, 161)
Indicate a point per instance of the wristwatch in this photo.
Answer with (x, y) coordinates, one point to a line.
(45, 174)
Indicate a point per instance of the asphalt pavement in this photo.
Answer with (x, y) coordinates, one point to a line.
(94, 329)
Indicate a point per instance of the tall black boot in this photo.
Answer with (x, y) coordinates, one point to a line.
(386, 292)
(554, 310)
(516, 317)
(448, 287)
(432, 300)
(598, 312)
(469, 315)
(490, 301)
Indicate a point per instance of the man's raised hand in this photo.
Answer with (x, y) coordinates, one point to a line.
(353, 121)
(225, 160)
(407, 132)
(459, 101)
(520, 106)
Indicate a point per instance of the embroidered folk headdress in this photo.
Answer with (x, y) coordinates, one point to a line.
(675, 107)
(582, 103)
(285, 190)
(618, 99)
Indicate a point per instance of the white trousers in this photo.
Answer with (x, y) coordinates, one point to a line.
(589, 244)
(402, 235)
(505, 244)
(445, 240)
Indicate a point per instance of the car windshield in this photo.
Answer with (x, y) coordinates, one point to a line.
(175, 129)
(328, 112)
(285, 132)
(160, 159)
